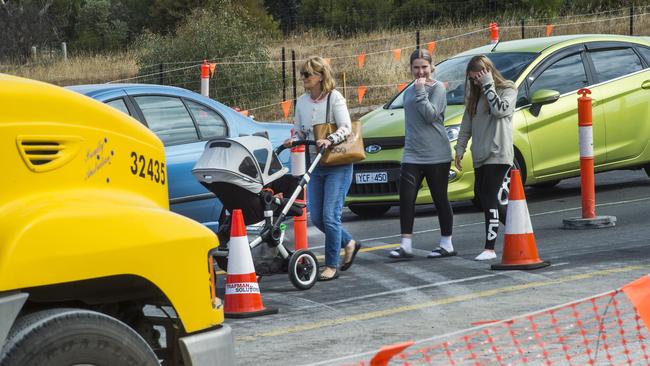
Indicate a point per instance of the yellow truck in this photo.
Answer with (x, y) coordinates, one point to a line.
(94, 268)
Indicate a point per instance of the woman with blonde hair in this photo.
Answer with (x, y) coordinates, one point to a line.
(489, 105)
(328, 185)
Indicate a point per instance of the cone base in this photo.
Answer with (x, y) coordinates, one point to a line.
(505, 267)
(251, 314)
(598, 222)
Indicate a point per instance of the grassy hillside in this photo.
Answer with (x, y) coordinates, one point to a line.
(381, 72)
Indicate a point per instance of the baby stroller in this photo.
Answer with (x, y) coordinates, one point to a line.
(245, 173)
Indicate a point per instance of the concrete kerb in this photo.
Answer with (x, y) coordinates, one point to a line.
(598, 222)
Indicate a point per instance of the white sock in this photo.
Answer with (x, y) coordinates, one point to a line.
(406, 244)
(445, 243)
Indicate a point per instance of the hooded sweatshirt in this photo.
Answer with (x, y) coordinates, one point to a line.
(491, 130)
(426, 140)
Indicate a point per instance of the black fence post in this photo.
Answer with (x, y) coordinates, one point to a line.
(161, 68)
(284, 76)
(631, 20)
(293, 64)
(523, 27)
(417, 39)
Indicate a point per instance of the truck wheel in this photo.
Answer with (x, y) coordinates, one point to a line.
(369, 210)
(647, 169)
(63, 337)
(303, 269)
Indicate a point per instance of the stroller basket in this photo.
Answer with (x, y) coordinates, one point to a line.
(251, 204)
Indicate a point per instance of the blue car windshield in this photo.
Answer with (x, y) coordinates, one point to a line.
(452, 73)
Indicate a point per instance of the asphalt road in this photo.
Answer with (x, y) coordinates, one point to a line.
(380, 301)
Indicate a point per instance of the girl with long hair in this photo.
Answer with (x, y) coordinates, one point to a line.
(489, 105)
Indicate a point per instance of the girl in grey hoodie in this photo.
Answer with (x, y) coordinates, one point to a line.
(489, 105)
(427, 153)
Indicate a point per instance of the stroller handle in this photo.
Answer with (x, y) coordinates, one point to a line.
(281, 148)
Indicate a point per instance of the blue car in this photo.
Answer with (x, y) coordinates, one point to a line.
(184, 121)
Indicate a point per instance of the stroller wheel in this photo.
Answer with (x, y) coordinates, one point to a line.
(303, 269)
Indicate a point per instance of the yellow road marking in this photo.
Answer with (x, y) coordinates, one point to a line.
(444, 301)
(368, 249)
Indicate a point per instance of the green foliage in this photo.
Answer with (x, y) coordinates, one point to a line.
(543, 7)
(230, 34)
(262, 19)
(27, 23)
(345, 16)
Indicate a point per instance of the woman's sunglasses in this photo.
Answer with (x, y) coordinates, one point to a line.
(306, 74)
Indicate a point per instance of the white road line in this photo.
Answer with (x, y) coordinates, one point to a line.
(369, 354)
(436, 284)
(532, 215)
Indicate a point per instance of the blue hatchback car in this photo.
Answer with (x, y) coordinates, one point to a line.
(184, 121)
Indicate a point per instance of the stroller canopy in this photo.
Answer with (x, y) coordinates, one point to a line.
(248, 162)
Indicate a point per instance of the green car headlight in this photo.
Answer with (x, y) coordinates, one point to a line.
(452, 132)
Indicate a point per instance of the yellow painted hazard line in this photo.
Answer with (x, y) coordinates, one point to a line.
(443, 301)
(368, 249)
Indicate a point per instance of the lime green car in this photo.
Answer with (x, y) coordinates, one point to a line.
(548, 73)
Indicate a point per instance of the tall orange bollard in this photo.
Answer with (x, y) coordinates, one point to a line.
(587, 185)
(494, 32)
(205, 79)
(298, 169)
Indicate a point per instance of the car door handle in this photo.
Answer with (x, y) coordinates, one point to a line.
(645, 85)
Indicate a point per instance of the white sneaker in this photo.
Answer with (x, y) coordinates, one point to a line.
(486, 255)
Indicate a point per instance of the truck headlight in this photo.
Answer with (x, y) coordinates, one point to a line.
(452, 132)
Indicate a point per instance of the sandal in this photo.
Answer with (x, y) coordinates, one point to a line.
(400, 253)
(348, 264)
(441, 252)
(321, 277)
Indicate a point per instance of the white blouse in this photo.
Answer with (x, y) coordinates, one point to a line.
(310, 112)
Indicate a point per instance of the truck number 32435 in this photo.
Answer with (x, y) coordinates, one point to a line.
(143, 168)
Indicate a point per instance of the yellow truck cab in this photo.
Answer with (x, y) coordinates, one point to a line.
(94, 268)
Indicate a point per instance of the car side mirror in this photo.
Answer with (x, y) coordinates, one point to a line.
(542, 97)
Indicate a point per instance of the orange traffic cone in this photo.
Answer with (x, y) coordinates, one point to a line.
(243, 298)
(519, 249)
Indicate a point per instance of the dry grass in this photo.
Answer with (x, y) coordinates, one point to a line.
(78, 69)
(381, 72)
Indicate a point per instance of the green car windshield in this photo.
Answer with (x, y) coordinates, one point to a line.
(452, 73)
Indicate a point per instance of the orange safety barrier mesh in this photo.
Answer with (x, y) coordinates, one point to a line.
(602, 330)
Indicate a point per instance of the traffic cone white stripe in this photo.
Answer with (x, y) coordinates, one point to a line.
(242, 298)
(242, 288)
(519, 248)
(240, 260)
(517, 218)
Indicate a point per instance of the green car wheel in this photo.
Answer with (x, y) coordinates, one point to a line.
(369, 210)
(545, 185)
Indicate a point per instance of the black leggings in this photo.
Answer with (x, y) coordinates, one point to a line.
(409, 183)
(487, 182)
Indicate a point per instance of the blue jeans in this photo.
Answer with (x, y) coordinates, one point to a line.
(326, 193)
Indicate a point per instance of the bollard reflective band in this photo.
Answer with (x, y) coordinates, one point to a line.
(586, 142)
